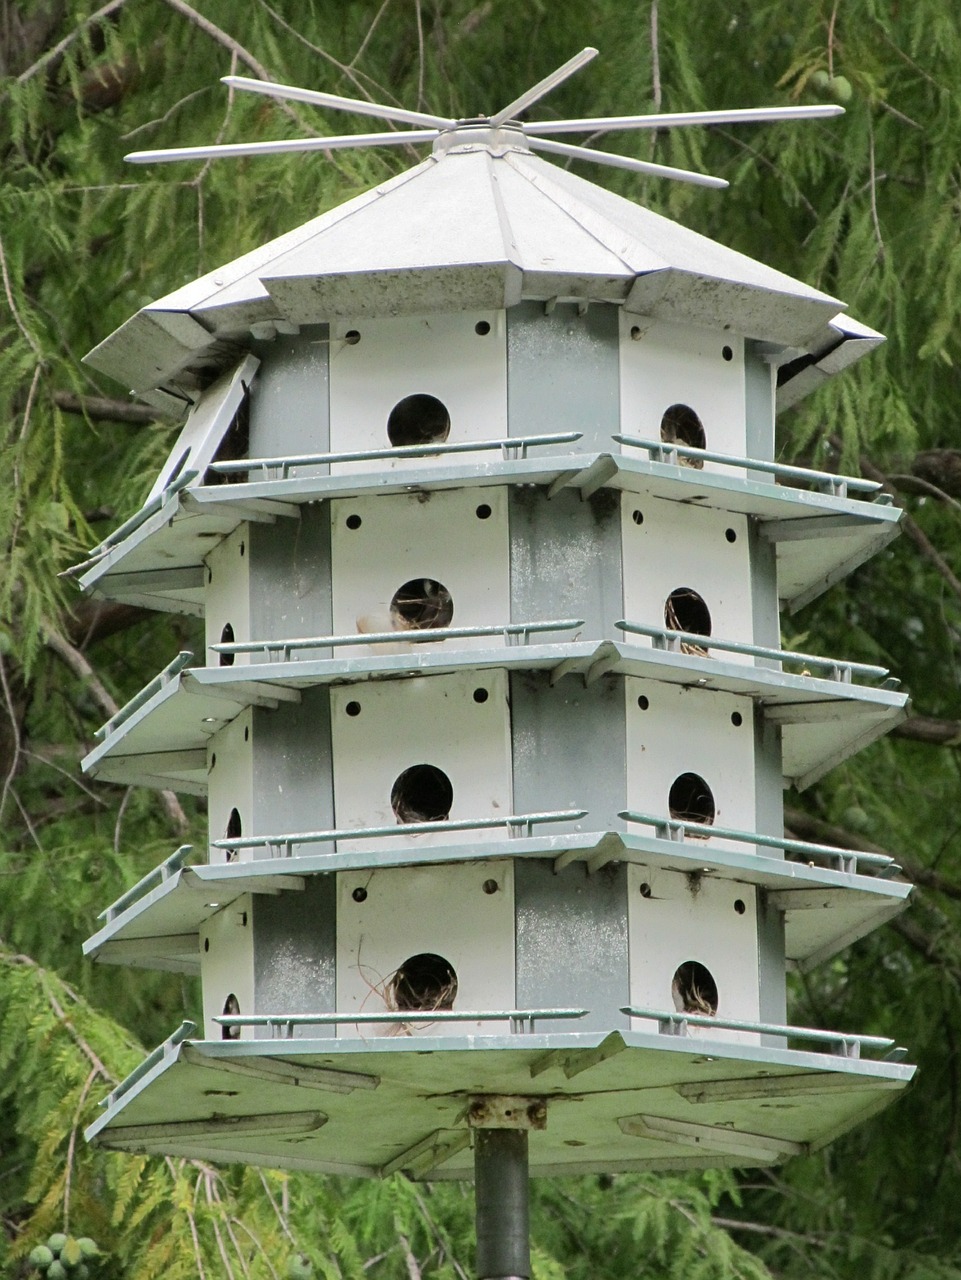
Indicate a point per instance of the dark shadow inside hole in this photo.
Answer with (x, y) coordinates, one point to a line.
(421, 605)
(227, 637)
(418, 419)
(694, 989)
(691, 800)
(425, 983)
(685, 610)
(422, 793)
(681, 425)
(235, 829)
(231, 1009)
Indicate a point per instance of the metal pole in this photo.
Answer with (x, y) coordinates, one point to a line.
(502, 1210)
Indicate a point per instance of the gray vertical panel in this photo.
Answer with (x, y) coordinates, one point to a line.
(571, 944)
(293, 770)
(759, 402)
(766, 618)
(290, 401)
(769, 820)
(569, 747)
(771, 968)
(563, 373)
(295, 948)
(566, 558)
(290, 575)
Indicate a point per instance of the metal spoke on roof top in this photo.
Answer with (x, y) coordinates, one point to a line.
(317, 99)
(625, 162)
(543, 87)
(282, 145)
(671, 120)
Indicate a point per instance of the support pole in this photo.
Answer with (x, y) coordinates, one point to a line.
(502, 1211)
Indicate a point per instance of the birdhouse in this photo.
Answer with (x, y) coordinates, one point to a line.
(477, 498)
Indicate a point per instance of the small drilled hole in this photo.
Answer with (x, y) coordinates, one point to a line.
(353, 522)
(359, 895)
(231, 1009)
(482, 328)
(206, 944)
(243, 550)
(637, 517)
(247, 734)
(421, 605)
(227, 637)
(694, 989)
(691, 799)
(681, 425)
(727, 353)
(643, 702)
(424, 983)
(737, 719)
(490, 886)
(352, 337)
(481, 695)
(645, 890)
(483, 512)
(731, 535)
(213, 761)
(422, 793)
(418, 419)
(739, 906)
(353, 708)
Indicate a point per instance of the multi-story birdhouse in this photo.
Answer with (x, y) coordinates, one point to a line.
(476, 495)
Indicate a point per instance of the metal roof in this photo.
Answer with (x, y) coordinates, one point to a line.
(482, 223)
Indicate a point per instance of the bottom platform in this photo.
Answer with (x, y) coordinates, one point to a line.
(595, 1102)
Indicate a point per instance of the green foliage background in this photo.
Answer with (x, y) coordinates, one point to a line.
(866, 207)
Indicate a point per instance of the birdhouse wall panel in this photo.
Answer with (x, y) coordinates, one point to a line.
(289, 406)
(681, 925)
(690, 755)
(422, 749)
(766, 611)
(696, 373)
(461, 914)
(760, 392)
(421, 560)
(772, 993)
(290, 577)
(417, 380)
(230, 785)
(571, 941)
(227, 966)
(569, 749)
(687, 569)
(293, 766)
(295, 947)
(562, 373)
(566, 560)
(227, 595)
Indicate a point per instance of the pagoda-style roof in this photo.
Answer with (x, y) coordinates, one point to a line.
(483, 223)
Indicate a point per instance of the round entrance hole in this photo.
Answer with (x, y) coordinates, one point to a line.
(691, 800)
(421, 605)
(227, 637)
(418, 419)
(422, 793)
(231, 1009)
(424, 983)
(235, 829)
(685, 610)
(681, 425)
(694, 989)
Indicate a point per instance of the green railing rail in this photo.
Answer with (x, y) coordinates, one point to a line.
(519, 1019)
(162, 678)
(163, 871)
(183, 1032)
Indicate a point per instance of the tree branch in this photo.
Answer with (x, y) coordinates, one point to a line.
(67, 41)
(102, 409)
(930, 729)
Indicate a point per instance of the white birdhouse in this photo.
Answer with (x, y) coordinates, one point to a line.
(477, 498)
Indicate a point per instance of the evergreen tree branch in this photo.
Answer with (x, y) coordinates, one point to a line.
(763, 1229)
(60, 1013)
(68, 40)
(72, 1145)
(103, 409)
(930, 729)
